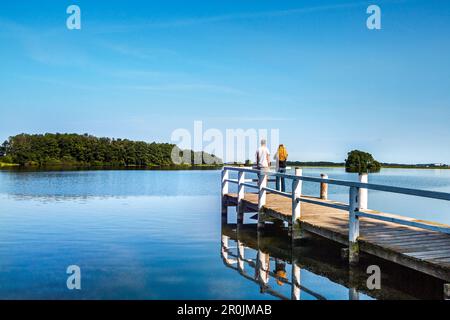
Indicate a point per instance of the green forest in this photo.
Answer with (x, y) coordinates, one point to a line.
(86, 150)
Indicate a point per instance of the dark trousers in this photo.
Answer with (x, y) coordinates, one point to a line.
(281, 181)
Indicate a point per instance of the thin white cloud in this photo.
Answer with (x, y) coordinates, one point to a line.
(250, 118)
(183, 22)
(60, 83)
(142, 74)
(186, 87)
(43, 45)
(135, 52)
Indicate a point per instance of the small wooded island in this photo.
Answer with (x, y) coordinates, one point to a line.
(86, 150)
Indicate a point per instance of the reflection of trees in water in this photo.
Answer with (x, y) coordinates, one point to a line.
(319, 257)
(61, 198)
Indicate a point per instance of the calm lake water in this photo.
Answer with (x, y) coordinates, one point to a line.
(158, 235)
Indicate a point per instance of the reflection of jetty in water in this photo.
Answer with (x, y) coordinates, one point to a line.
(268, 259)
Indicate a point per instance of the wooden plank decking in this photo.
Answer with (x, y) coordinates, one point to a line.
(422, 250)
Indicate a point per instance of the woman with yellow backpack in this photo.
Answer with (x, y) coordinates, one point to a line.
(280, 159)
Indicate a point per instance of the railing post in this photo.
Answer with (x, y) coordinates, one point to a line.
(240, 197)
(225, 176)
(363, 193)
(353, 230)
(296, 205)
(262, 183)
(324, 187)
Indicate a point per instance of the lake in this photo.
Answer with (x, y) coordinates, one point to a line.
(143, 234)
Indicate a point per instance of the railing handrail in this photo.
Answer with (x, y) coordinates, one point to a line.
(370, 186)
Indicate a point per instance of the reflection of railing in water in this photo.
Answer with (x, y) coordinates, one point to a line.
(318, 258)
(261, 265)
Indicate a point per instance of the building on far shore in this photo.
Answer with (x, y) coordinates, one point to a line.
(432, 165)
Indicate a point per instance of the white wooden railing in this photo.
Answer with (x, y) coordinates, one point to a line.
(357, 206)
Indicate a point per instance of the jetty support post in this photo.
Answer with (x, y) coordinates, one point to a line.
(225, 177)
(447, 291)
(296, 205)
(324, 187)
(353, 230)
(240, 197)
(262, 184)
(262, 194)
(363, 193)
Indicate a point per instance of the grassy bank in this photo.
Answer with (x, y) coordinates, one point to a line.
(3, 164)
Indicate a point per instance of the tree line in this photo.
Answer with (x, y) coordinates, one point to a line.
(87, 150)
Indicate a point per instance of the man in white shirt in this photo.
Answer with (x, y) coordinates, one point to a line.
(263, 156)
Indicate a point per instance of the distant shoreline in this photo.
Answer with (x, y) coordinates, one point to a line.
(74, 167)
(105, 167)
(324, 164)
(383, 165)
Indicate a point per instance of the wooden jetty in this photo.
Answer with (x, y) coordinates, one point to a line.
(420, 245)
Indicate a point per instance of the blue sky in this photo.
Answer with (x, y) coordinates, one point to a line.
(141, 69)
